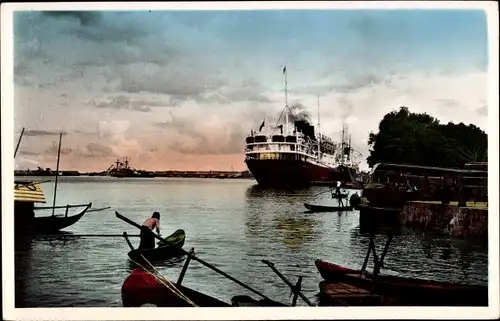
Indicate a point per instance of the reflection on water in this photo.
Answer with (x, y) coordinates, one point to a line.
(294, 232)
(231, 224)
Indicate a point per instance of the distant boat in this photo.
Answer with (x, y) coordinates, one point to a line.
(293, 155)
(124, 169)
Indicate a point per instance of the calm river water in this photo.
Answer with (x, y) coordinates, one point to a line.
(232, 224)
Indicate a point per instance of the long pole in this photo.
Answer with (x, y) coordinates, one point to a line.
(18, 142)
(57, 174)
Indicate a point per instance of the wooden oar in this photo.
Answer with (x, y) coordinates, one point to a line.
(87, 235)
(293, 287)
(99, 209)
(194, 257)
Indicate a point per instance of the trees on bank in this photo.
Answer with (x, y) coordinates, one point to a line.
(419, 139)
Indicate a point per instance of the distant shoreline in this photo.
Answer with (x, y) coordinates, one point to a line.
(192, 174)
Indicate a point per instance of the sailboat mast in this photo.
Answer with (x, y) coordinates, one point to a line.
(18, 142)
(57, 174)
(286, 101)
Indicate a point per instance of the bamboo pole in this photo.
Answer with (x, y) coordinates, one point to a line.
(57, 174)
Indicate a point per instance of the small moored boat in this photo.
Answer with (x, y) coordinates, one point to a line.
(26, 194)
(325, 208)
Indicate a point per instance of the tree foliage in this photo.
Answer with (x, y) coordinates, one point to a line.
(419, 139)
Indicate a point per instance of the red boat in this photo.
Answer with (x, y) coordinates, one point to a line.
(407, 291)
(141, 288)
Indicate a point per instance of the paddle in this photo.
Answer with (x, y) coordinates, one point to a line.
(208, 265)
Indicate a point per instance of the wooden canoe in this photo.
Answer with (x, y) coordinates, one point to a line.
(50, 224)
(141, 288)
(325, 208)
(407, 291)
(170, 248)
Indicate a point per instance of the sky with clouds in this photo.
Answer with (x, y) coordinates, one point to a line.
(181, 89)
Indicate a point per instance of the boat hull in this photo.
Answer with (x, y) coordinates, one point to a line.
(324, 208)
(287, 173)
(408, 291)
(158, 254)
(172, 248)
(140, 288)
(47, 224)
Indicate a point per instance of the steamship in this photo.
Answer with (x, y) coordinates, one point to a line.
(124, 169)
(294, 155)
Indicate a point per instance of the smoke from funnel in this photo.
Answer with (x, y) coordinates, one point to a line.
(299, 113)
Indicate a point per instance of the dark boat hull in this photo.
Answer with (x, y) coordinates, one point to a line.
(324, 208)
(158, 254)
(287, 173)
(163, 252)
(140, 288)
(408, 291)
(49, 224)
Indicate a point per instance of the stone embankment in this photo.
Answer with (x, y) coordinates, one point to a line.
(461, 221)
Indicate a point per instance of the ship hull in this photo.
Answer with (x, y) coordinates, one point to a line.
(293, 173)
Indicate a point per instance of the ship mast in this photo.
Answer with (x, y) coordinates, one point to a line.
(319, 135)
(342, 144)
(286, 101)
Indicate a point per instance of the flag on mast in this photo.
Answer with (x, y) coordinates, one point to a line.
(284, 70)
(262, 125)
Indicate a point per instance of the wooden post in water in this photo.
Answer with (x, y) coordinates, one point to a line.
(296, 290)
(125, 236)
(57, 174)
(365, 263)
(184, 268)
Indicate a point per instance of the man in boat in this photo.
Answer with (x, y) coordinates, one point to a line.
(337, 194)
(147, 237)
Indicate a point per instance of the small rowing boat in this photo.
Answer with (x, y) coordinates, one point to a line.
(168, 248)
(325, 208)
